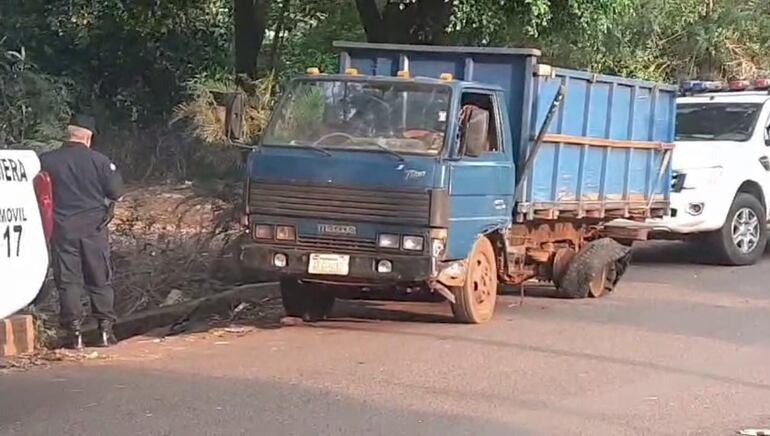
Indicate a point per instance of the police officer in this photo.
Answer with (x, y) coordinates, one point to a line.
(85, 186)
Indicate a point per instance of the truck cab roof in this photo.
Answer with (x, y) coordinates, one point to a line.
(453, 83)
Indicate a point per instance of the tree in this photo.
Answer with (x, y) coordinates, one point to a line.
(405, 21)
(250, 18)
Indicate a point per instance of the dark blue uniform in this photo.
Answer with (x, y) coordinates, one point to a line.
(84, 183)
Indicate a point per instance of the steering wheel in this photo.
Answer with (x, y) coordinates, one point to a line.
(331, 135)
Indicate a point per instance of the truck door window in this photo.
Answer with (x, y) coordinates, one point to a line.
(485, 102)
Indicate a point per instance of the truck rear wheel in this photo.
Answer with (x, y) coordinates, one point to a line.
(743, 237)
(302, 300)
(595, 270)
(475, 301)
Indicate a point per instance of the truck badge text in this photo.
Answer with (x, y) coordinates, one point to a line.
(335, 229)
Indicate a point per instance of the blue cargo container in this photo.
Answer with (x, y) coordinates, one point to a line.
(606, 144)
(447, 170)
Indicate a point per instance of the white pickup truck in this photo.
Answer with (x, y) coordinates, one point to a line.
(26, 224)
(721, 166)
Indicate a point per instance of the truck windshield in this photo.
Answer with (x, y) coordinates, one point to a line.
(380, 116)
(716, 121)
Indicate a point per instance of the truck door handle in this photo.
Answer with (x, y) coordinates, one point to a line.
(765, 162)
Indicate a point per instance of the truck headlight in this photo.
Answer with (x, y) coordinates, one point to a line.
(388, 241)
(701, 177)
(413, 243)
(285, 233)
(263, 231)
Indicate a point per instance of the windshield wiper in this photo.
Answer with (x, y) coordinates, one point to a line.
(315, 147)
(386, 149)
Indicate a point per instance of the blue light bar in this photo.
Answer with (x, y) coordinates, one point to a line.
(695, 86)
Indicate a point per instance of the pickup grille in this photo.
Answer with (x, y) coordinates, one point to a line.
(677, 182)
(340, 204)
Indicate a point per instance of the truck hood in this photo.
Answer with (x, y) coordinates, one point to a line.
(344, 168)
(704, 154)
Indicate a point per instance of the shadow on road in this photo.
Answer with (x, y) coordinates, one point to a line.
(551, 351)
(120, 400)
(675, 253)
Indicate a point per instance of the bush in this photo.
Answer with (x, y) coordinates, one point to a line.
(33, 105)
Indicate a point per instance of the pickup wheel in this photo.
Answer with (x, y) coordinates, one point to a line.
(475, 301)
(743, 237)
(301, 300)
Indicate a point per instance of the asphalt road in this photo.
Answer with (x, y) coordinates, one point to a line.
(679, 349)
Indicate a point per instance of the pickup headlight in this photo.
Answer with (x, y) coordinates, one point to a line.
(388, 241)
(413, 243)
(701, 177)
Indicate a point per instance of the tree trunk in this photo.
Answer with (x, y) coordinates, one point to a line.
(250, 17)
(278, 32)
(392, 21)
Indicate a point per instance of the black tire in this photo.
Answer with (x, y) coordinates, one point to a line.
(730, 253)
(475, 301)
(304, 301)
(595, 270)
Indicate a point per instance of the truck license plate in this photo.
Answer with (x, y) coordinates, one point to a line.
(329, 264)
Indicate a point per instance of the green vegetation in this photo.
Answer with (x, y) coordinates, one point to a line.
(137, 65)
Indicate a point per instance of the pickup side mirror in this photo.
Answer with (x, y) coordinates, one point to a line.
(476, 132)
(767, 136)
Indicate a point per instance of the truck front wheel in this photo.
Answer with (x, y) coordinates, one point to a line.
(743, 236)
(475, 300)
(301, 300)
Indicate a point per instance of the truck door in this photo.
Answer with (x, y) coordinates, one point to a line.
(481, 184)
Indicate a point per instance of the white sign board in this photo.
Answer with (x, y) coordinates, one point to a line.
(23, 250)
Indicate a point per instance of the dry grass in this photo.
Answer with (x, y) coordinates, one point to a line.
(204, 118)
(165, 238)
(169, 238)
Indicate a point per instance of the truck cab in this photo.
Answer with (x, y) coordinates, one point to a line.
(381, 200)
(721, 170)
(440, 172)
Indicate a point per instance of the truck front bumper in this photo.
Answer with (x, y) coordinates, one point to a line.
(692, 211)
(406, 269)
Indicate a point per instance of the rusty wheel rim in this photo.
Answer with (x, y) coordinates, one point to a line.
(598, 286)
(482, 282)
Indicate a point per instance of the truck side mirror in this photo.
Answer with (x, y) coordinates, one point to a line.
(235, 107)
(476, 132)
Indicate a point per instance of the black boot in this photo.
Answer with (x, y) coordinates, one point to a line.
(75, 335)
(106, 335)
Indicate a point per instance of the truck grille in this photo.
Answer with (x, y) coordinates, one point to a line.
(336, 243)
(341, 204)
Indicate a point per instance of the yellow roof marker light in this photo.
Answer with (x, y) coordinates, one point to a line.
(446, 77)
(313, 71)
(404, 74)
(351, 71)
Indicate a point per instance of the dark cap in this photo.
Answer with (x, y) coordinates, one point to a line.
(83, 121)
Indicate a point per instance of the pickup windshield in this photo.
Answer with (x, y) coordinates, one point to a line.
(389, 117)
(716, 121)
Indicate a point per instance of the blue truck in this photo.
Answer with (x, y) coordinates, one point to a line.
(444, 172)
